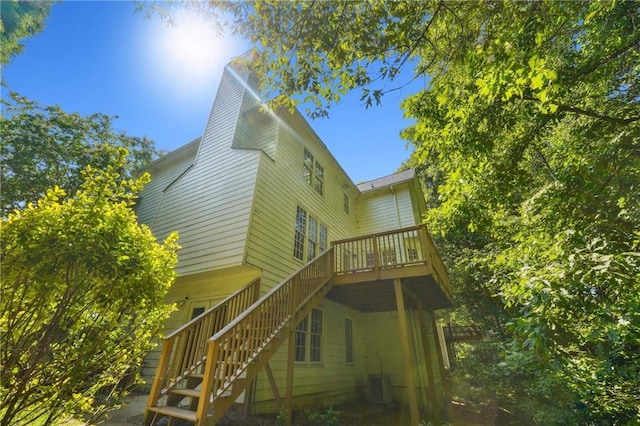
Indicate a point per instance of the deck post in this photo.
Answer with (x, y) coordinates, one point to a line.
(207, 383)
(443, 373)
(158, 380)
(433, 398)
(404, 336)
(288, 404)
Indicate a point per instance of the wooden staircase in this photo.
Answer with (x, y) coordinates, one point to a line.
(206, 364)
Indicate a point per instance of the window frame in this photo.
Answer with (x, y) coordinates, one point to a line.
(319, 179)
(313, 172)
(300, 233)
(348, 340)
(306, 334)
(300, 336)
(315, 335)
(310, 236)
(307, 167)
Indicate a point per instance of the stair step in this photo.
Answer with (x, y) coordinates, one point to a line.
(178, 413)
(193, 393)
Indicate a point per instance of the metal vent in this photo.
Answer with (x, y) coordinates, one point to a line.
(379, 388)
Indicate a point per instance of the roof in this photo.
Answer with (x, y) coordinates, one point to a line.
(187, 150)
(394, 179)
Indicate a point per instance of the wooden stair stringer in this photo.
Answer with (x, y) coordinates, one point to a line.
(262, 356)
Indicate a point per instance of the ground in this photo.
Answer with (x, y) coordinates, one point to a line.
(353, 414)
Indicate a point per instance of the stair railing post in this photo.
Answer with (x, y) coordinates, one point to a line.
(376, 257)
(161, 373)
(207, 383)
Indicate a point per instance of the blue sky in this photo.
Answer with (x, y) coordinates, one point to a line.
(103, 57)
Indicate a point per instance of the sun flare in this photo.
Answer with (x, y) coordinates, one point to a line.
(186, 51)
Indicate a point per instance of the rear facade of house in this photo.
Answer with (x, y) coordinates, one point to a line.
(255, 200)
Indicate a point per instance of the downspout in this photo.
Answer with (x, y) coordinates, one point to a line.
(395, 199)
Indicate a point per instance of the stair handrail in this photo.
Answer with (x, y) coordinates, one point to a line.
(184, 349)
(234, 347)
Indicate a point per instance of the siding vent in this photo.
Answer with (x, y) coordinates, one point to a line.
(379, 389)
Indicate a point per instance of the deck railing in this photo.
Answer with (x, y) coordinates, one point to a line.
(439, 270)
(462, 333)
(184, 350)
(388, 250)
(232, 349)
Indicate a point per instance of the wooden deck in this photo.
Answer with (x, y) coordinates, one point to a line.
(211, 360)
(365, 269)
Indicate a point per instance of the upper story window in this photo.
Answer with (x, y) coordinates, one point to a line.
(313, 172)
(307, 169)
(300, 233)
(310, 236)
(319, 179)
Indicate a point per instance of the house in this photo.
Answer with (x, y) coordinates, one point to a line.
(296, 287)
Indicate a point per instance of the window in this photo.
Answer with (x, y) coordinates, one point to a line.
(371, 259)
(412, 254)
(309, 337)
(313, 172)
(301, 227)
(315, 236)
(196, 312)
(345, 203)
(307, 170)
(389, 257)
(323, 238)
(348, 339)
(316, 336)
(301, 341)
(319, 179)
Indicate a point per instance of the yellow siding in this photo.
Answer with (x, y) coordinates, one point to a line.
(331, 381)
(161, 178)
(384, 353)
(280, 188)
(210, 205)
(235, 211)
(385, 210)
(205, 289)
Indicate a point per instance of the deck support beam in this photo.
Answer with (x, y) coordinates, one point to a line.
(274, 385)
(431, 391)
(288, 403)
(443, 372)
(293, 323)
(404, 337)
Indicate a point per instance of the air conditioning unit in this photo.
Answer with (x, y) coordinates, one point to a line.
(379, 390)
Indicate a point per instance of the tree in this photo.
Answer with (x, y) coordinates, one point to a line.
(528, 128)
(43, 147)
(83, 288)
(20, 19)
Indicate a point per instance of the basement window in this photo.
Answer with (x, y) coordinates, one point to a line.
(348, 339)
(308, 338)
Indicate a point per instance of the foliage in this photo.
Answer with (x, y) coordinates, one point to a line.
(328, 417)
(527, 134)
(83, 288)
(20, 19)
(282, 418)
(43, 147)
